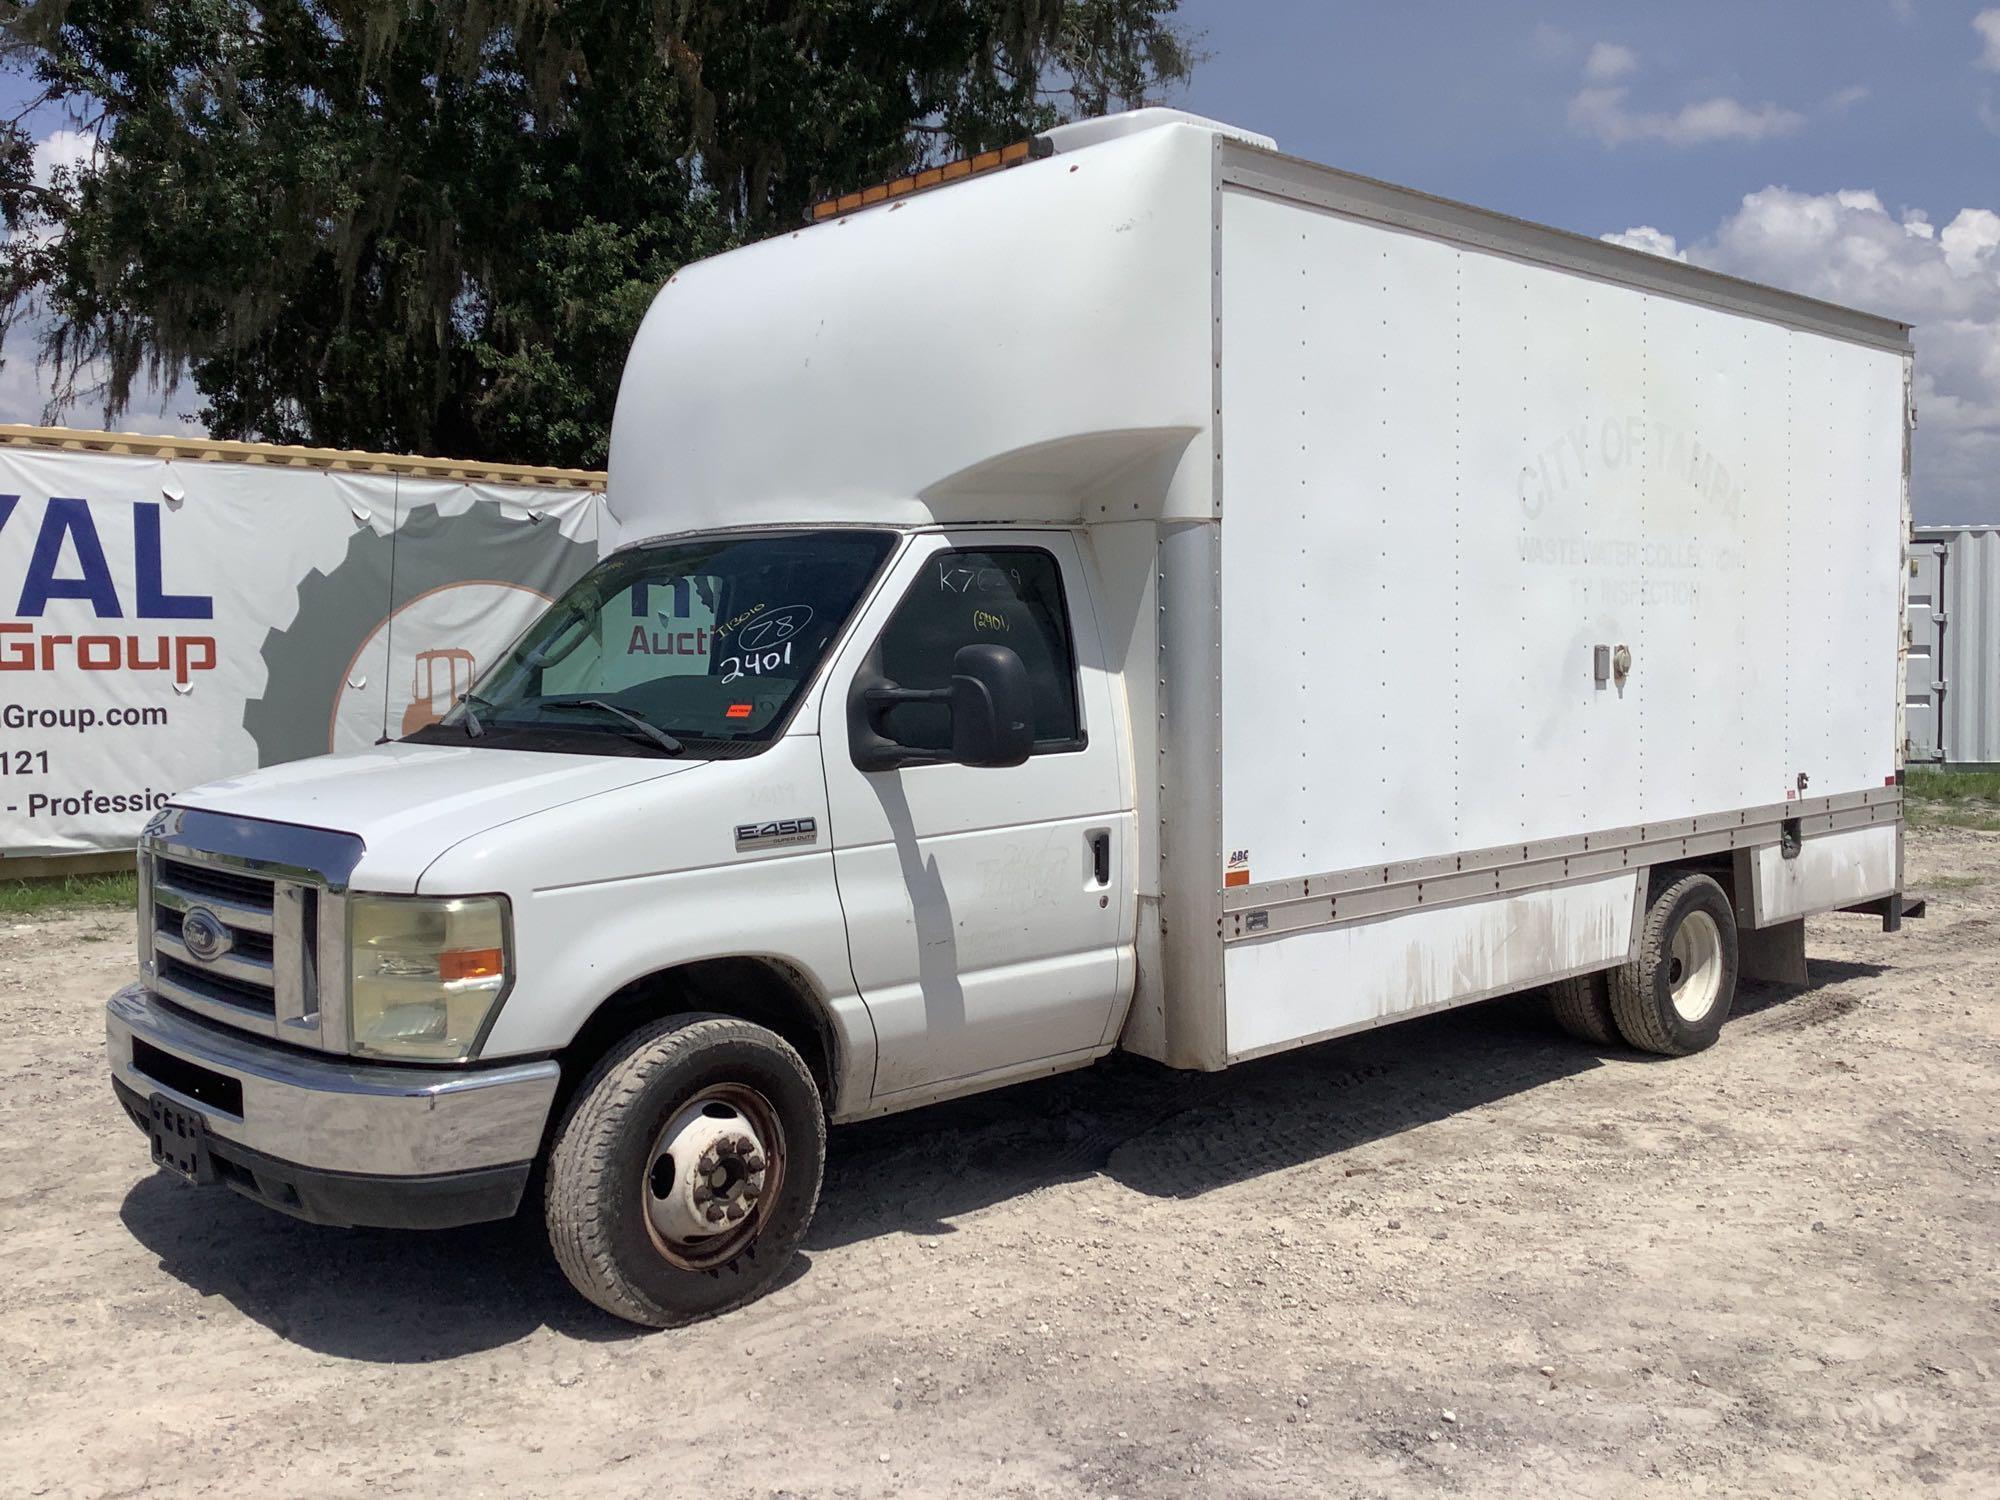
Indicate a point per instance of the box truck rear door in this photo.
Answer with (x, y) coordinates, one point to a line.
(987, 914)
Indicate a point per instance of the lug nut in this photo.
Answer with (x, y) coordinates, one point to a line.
(735, 1211)
(714, 1214)
(753, 1163)
(702, 1193)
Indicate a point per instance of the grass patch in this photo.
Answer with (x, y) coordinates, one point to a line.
(1955, 799)
(1950, 883)
(34, 898)
(1953, 786)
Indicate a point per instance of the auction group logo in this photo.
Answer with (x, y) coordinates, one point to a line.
(430, 564)
(68, 532)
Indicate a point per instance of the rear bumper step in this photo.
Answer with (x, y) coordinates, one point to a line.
(1891, 909)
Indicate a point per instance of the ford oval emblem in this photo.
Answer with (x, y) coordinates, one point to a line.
(204, 936)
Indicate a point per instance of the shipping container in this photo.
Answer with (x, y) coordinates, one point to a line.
(1954, 672)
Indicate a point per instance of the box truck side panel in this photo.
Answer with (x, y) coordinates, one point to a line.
(1837, 870)
(1461, 492)
(1367, 973)
(1341, 743)
(1549, 549)
(1846, 564)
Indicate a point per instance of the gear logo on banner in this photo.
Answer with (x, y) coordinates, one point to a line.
(385, 641)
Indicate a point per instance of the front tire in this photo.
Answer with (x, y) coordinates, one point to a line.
(1673, 998)
(685, 1173)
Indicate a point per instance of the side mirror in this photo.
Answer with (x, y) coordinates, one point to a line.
(992, 714)
(992, 707)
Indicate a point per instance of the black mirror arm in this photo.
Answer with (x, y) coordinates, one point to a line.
(878, 752)
(881, 699)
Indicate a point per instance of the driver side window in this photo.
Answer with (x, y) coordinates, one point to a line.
(1000, 596)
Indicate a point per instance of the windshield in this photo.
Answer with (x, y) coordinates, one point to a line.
(698, 646)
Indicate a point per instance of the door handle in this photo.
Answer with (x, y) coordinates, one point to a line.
(1100, 855)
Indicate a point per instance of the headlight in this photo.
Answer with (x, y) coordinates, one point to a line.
(425, 974)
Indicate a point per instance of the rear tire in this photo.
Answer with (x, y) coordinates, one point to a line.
(1582, 1007)
(690, 1120)
(1673, 998)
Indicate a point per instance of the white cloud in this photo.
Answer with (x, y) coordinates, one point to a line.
(1987, 24)
(1602, 108)
(63, 148)
(1969, 242)
(1847, 247)
(26, 392)
(59, 150)
(1653, 241)
(1848, 97)
(1603, 112)
(1609, 61)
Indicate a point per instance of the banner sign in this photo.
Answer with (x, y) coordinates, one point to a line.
(166, 621)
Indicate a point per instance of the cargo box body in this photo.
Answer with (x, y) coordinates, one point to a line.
(1534, 569)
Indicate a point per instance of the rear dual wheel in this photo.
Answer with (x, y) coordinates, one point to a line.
(684, 1175)
(1674, 996)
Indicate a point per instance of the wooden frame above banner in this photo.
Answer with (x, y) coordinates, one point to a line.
(216, 450)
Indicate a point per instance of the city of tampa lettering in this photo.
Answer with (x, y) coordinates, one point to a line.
(67, 526)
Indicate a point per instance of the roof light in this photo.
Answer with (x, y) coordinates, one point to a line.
(930, 177)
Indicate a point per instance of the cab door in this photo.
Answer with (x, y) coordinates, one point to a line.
(988, 916)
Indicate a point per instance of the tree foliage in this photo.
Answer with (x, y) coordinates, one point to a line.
(433, 225)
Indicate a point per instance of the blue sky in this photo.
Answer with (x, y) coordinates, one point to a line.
(1849, 149)
(1472, 100)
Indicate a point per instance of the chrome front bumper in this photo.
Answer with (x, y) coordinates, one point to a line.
(329, 1114)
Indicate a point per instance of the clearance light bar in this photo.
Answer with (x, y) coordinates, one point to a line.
(917, 182)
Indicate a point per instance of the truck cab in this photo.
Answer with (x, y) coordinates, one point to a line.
(852, 803)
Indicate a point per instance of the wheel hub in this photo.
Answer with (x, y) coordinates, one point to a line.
(710, 1177)
(1694, 966)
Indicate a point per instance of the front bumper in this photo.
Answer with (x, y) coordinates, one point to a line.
(331, 1139)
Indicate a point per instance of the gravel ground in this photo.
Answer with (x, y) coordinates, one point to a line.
(1465, 1255)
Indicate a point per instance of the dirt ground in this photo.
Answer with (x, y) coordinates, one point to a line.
(1465, 1255)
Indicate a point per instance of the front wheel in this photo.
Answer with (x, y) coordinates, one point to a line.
(686, 1170)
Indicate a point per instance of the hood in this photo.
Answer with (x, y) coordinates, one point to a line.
(409, 803)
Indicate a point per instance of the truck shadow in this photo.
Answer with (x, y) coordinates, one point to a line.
(1177, 1135)
(1173, 1134)
(370, 1294)
(393, 1297)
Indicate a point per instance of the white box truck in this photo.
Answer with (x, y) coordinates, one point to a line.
(1151, 593)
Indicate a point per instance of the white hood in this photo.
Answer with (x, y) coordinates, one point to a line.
(410, 803)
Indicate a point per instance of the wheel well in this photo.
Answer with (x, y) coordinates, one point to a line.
(1721, 868)
(766, 991)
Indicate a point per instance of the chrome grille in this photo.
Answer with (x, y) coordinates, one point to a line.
(215, 883)
(245, 923)
(246, 907)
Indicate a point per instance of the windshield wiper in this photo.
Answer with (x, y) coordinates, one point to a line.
(473, 728)
(651, 731)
